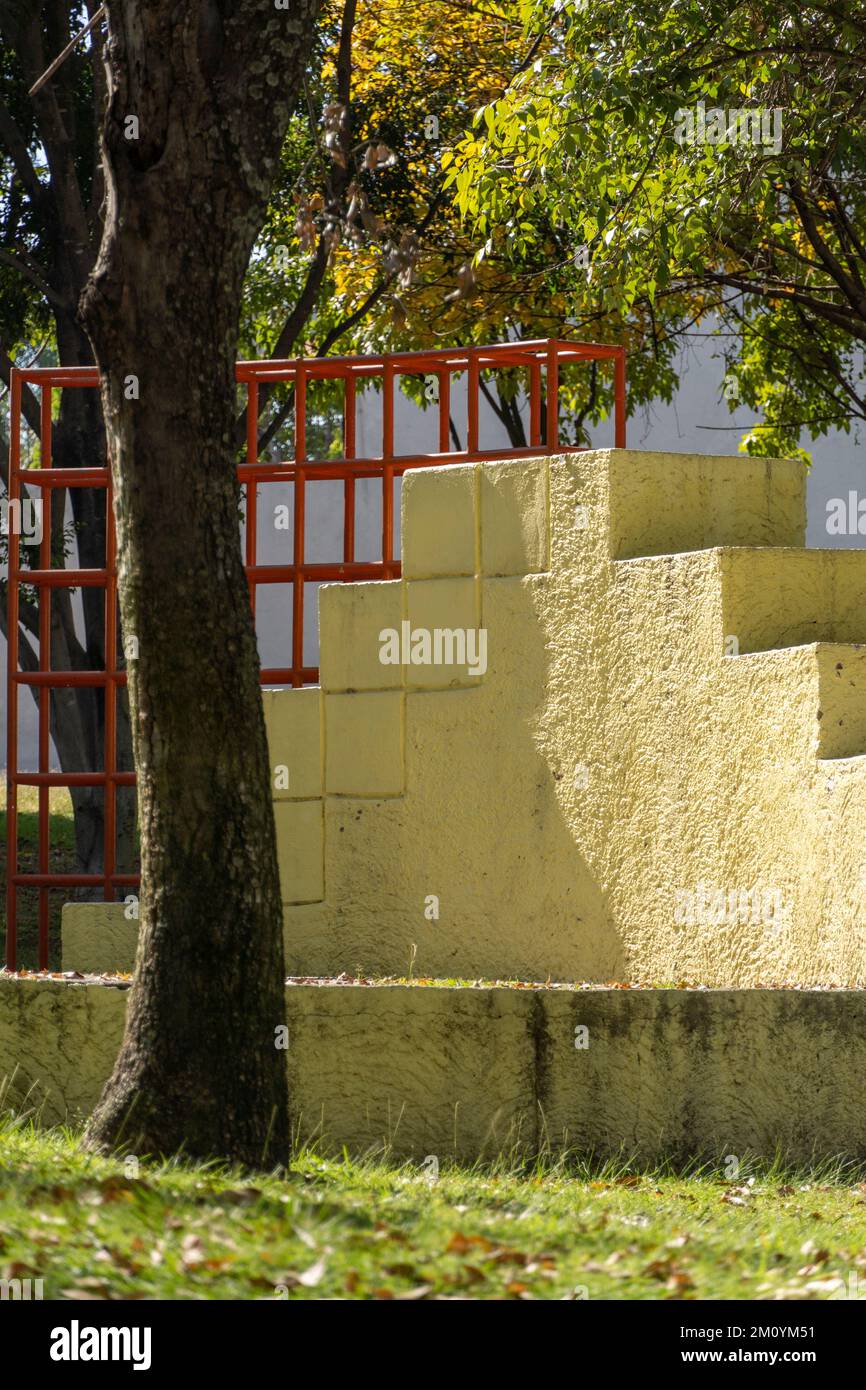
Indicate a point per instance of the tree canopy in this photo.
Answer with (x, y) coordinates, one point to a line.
(365, 238)
(710, 158)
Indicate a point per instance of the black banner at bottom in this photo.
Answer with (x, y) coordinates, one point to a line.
(59, 1339)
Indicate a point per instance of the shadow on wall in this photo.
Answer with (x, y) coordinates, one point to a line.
(487, 833)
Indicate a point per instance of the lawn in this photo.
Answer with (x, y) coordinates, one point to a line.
(61, 858)
(97, 1228)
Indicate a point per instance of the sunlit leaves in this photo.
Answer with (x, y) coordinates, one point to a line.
(588, 135)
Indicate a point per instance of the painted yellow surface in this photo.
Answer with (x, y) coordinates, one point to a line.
(97, 937)
(661, 772)
(657, 773)
(660, 1074)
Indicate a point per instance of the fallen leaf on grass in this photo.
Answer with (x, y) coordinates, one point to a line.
(313, 1276)
(308, 1279)
(118, 1259)
(668, 1270)
(383, 1232)
(238, 1197)
(465, 1276)
(88, 1289)
(56, 1193)
(258, 1281)
(507, 1256)
(816, 1258)
(459, 1244)
(192, 1251)
(679, 1282)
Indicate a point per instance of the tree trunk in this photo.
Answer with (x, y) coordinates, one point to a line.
(211, 86)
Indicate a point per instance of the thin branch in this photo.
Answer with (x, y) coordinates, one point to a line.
(851, 291)
(11, 137)
(61, 57)
(819, 308)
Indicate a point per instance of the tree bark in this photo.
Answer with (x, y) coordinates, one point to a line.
(211, 84)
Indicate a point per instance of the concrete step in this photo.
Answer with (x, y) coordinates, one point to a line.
(790, 598)
(669, 503)
(812, 699)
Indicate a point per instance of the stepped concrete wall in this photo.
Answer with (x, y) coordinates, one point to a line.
(660, 774)
(656, 774)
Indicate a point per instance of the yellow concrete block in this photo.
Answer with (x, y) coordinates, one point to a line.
(439, 521)
(446, 643)
(775, 597)
(514, 517)
(364, 744)
(842, 724)
(662, 503)
(300, 850)
(293, 722)
(98, 937)
(351, 617)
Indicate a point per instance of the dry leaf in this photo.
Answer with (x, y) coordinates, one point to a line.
(312, 1276)
(459, 1244)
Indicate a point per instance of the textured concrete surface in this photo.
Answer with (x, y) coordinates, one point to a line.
(58, 1043)
(674, 710)
(475, 1072)
(97, 937)
(672, 720)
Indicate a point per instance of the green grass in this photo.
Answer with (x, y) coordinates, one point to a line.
(61, 859)
(91, 1227)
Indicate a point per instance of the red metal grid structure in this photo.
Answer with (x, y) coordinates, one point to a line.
(541, 360)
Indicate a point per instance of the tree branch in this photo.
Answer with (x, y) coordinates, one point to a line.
(14, 141)
(30, 271)
(852, 293)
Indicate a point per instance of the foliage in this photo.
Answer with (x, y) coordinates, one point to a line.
(365, 226)
(763, 241)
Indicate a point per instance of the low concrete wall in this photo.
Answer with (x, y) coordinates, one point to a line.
(472, 1072)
